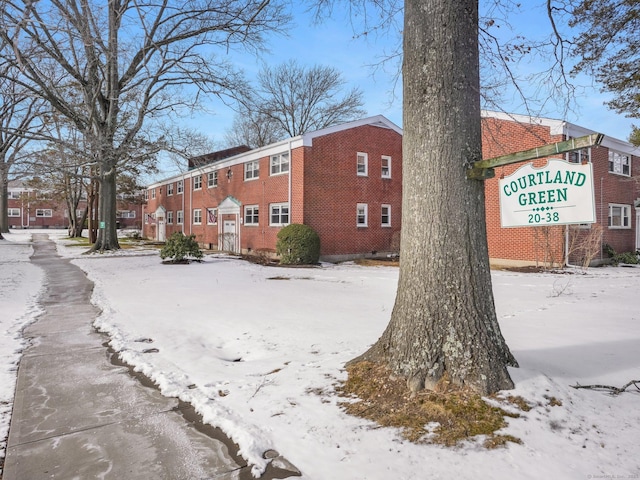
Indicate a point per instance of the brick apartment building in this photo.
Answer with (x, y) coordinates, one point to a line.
(346, 183)
(31, 208)
(343, 181)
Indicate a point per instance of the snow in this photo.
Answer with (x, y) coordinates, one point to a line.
(257, 350)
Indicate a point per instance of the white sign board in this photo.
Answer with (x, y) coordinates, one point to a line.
(557, 194)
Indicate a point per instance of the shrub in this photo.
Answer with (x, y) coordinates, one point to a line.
(624, 257)
(298, 245)
(179, 248)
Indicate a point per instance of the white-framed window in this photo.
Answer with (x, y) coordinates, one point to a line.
(14, 195)
(126, 214)
(362, 164)
(278, 214)
(279, 163)
(619, 216)
(385, 215)
(169, 217)
(170, 189)
(197, 182)
(179, 186)
(619, 163)
(44, 212)
(197, 216)
(179, 217)
(146, 195)
(14, 212)
(153, 193)
(212, 216)
(386, 166)
(212, 179)
(251, 216)
(361, 214)
(579, 156)
(252, 170)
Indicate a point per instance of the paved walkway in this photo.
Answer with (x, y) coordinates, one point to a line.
(78, 415)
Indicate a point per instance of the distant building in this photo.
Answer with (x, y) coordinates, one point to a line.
(344, 181)
(31, 208)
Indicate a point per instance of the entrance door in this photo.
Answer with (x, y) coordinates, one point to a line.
(229, 236)
(637, 229)
(162, 229)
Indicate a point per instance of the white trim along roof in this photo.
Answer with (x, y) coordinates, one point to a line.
(305, 140)
(561, 127)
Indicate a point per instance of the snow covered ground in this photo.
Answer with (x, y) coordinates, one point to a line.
(257, 351)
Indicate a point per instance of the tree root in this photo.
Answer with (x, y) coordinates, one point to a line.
(612, 390)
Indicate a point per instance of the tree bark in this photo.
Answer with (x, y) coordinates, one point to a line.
(444, 319)
(4, 198)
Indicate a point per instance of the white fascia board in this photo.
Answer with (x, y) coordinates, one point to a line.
(376, 121)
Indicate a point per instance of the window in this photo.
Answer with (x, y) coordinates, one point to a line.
(170, 189)
(197, 216)
(153, 193)
(126, 214)
(170, 217)
(197, 182)
(619, 163)
(212, 179)
(361, 214)
(362, 167)
(44, 212)
(279, 163)
(13, 195)
(14, 212)
(386, 166)
(146, 195)
(385, 218)
(251, 170)
(179, 217)
(179, 186)
(251, 215)
(279, 214)
(619, 216)
(212, 216)
(579, 156)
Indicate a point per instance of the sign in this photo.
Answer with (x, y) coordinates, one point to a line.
(102, 225)
(559, 193)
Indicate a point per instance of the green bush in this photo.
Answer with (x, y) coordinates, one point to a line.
(180, 248)
(298, 245)
(624, 257)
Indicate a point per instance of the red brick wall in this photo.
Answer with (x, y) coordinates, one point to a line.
(333, 190)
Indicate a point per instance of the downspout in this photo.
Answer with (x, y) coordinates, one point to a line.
(289, 193)
(190, 205)
(183, 195)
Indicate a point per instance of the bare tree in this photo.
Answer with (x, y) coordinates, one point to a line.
(19, 118)
(253, 129)
(291, 100)
(109, 68)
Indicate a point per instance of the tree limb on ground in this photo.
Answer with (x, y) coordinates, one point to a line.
(612, 390)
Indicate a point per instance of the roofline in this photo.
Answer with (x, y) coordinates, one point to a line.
(562, 127)
(305, 140)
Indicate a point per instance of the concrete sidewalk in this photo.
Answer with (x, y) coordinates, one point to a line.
(79, 415)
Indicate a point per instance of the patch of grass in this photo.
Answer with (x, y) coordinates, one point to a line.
(447, 416)
(377, 262)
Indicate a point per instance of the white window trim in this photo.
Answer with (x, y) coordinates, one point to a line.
(12, 212)
(255, 172)
(277, 160)
(252, 208)
(153, 193)
(215, 216)
(170, 217)
(622, 165)
(212, 179)
(197, 216)
(179, 187)
(46, 213)
(365, 207)
(280, 206)
(170, 189)
(366, 164)
(197, 182)
(179, 217)
(388, 207)
(388, 158)
(626, 213)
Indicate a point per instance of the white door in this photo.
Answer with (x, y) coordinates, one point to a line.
(637, 229)
(229, 236)
(162, 229)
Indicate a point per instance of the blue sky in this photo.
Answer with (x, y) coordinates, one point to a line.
(333, 43)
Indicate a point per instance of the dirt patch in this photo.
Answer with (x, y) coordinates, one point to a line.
(377, 262)
(446, 416)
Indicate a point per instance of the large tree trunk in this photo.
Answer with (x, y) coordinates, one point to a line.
(107, 238)
(4, 199)
(444, 319)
